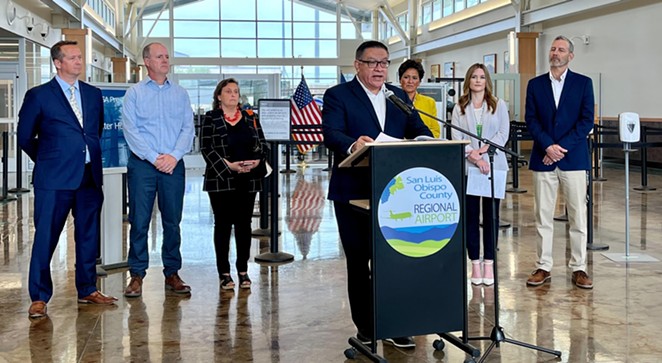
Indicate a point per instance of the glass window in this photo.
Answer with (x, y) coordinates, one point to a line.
(303, 12)
(266, 30)
(272, 69)
(436, 9)
(427, 13)
(315, 30)
(347, 31)
(327, 31)
(155, 14)
(315, 49)
(238, 48)
(459, 5)
(238, 10)
(471, 3)
(326, 16)
(272, 48)
(161, 30)
(197, 69)
(237, 29)
(197, 29)
(448, 7)
(305, 30)
(196, 48)
(274, 10)
(402, 20)
(205, 9)
(238, 69)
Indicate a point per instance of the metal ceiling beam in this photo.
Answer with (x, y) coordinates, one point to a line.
(386, 13)
(359, 15)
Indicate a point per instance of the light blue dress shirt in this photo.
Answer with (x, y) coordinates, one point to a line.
(65, 88)
(157, 119)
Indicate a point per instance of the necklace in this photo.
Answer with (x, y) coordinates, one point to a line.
(234, 117)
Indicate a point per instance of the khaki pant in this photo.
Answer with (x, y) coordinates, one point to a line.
(545, 189)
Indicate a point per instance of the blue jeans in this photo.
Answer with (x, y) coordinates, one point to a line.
(146, 183)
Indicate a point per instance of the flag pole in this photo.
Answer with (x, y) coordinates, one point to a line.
(302, 160)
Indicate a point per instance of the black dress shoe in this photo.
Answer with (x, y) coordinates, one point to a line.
(363, 339)
(402, 342)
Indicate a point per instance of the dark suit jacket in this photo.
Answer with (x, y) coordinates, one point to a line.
(49, 132)
(568, 125)
(213, 145)
(348, 114)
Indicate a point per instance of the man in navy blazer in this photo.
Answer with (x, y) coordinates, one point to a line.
(354, 114)
(59, 127)
(559, 116)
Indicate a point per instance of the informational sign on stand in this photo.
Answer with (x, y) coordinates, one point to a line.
(275, 119)
(114, 149)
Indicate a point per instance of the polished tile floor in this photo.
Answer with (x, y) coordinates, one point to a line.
(298, 312)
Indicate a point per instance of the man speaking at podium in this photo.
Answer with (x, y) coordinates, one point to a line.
(354, 114)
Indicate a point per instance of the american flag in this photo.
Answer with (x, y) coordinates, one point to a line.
(305, 112)
(305, 213)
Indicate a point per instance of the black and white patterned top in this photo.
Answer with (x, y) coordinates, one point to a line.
(216, 146)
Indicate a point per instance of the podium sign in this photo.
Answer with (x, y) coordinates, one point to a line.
(418, 264)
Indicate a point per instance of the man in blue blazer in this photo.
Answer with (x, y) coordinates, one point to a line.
(559, 116)
(59, 126)
(354, 114)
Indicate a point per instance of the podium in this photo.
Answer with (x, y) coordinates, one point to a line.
(418, 263)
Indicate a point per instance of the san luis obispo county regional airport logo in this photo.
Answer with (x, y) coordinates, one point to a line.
(419, 211)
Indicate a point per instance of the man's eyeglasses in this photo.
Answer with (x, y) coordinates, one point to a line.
(373, 64)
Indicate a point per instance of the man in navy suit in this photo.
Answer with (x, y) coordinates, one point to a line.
(59, 126)
(559, 116)
(354, 114)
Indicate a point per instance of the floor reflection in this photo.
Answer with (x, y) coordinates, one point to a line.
(298, 312)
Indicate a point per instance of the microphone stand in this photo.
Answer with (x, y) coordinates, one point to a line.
(497, 336)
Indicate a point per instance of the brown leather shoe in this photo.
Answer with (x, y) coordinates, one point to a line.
(176, 284)
(135, 287)
(97, 298)
(37, 309)
(538, 277)
(581, 279)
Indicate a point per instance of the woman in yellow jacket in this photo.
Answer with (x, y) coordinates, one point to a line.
(411, 72)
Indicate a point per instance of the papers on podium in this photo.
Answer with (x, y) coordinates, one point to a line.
(479, 184)
(359, 157)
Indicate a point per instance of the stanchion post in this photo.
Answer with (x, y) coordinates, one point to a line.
(514, 139)
(19, 172)
(273, 256)
(287, 169)
(597, 152)
(644, 162)
(329, 158)
(264, 230)
(590, 246)
(5, 167)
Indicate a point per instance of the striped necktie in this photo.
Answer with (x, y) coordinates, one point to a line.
(74, 105)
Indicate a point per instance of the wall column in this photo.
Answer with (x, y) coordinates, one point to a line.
(120, 69)
(526, 61)
(84, 39)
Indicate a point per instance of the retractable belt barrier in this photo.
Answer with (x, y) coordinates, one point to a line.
(643, 145)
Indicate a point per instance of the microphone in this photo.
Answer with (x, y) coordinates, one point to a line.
(397, 102)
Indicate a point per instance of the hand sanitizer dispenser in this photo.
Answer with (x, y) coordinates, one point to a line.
(628, 130)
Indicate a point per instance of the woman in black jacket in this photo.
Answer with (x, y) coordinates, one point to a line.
(234, 149)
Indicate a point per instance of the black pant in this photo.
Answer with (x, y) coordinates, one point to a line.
(473, 228)
(354, 230)
(233, 207)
